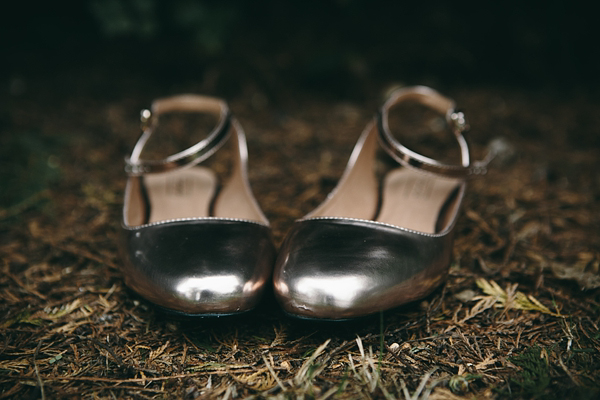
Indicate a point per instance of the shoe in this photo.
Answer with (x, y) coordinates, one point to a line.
(195, 243)
(377, 241)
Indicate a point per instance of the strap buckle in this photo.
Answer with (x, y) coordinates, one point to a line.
(457, 123)
(146, 119)
(195, 154)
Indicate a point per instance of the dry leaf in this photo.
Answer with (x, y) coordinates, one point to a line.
(509, 298)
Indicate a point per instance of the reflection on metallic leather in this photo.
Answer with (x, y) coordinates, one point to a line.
(193, 288)
(187, 246)
(376, 242)
(336, 291)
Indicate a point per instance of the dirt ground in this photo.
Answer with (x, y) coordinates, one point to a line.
(518, 316)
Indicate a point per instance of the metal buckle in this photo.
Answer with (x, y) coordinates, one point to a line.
(457, 121)
(145, 119)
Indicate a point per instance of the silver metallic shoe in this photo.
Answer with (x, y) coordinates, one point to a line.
(380, 239)
(195, 243)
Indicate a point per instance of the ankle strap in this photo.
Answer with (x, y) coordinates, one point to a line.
(192, 155)
(455, 120)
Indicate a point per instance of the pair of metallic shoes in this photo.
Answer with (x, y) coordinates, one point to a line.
(196, 242)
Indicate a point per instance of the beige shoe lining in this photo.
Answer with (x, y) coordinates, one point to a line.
(177, 194)
(415, 200)
(409, 199)
(193, 192)
(356, 195)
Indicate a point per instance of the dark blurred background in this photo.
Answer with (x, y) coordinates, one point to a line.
(337, 47)
(74, 74)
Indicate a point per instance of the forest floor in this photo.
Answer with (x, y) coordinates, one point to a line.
(518, 316)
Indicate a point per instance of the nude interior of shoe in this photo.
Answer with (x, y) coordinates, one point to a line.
(415, 200)
(407, 198)
(178, 194)
(194, 192)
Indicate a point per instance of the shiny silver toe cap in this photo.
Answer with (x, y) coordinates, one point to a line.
(342, 268)
(208, 266)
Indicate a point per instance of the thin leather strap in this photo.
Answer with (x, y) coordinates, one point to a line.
(192, 155)
(455, 120)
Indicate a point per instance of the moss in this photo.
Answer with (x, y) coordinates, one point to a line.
(534, 378)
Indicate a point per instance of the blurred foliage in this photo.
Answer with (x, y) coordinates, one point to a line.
(511, 41)
(30, 165)
(207, 23)
(133, 17)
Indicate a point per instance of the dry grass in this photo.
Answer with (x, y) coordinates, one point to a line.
(512, 320)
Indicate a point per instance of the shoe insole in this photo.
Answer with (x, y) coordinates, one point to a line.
(414, 200)
(186, 193)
